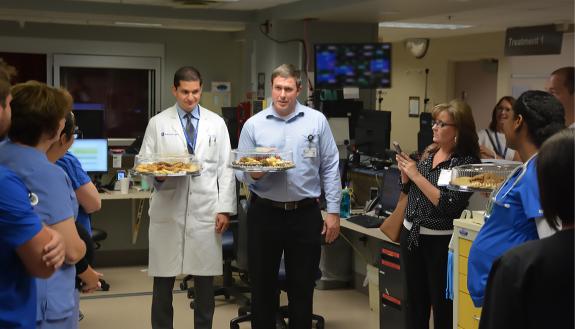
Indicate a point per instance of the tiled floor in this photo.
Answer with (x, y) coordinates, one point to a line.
(127, 305)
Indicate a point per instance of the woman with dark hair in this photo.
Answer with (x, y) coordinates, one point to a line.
(492, 141)
(536, 279)
(514, 215)
(430, 211)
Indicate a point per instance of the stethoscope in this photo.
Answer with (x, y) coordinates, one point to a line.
(495, 199)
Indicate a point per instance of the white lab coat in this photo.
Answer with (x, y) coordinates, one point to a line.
(182, 211)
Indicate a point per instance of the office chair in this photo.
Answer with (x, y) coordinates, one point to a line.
(230, 252)
(283, 311)
(242, 261)
(229, 287)
(97, 237)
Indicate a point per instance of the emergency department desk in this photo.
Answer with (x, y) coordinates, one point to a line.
(123, 217)
(390, 278)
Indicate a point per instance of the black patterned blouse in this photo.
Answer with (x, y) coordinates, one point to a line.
(421, 212)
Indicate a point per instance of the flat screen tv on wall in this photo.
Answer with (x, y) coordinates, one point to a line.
(362, 65)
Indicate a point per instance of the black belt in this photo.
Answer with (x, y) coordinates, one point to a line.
(290, 205)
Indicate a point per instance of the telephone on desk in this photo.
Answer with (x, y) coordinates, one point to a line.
(368, 218)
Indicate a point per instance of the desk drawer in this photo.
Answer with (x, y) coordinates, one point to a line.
(463, 283)
(464, 247)
(462, 265)
(468, 315)
(390, 275)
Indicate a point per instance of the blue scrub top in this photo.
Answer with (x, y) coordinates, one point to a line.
(78, 177)
(18, 224)
(509, 223)
(56, 202)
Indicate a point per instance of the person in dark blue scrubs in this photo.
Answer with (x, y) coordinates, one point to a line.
(38, 117)
(28, 248)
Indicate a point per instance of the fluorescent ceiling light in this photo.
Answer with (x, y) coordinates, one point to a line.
(425, 26)
(140, 24)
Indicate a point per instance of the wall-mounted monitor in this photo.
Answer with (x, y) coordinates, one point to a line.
(92, 154)
(362, 65)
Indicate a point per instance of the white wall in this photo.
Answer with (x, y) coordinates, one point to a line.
(408, 77)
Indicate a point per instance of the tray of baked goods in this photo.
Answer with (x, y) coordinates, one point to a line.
(262, 160)
(483, 177)
(166, 165)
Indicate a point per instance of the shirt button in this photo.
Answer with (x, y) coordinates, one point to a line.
(450, 199)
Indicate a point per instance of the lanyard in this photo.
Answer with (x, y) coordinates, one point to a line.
(191, 143)
(497, 145)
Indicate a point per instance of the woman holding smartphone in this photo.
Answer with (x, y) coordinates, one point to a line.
(430, 211)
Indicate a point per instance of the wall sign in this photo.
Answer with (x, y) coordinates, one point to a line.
(533, 40)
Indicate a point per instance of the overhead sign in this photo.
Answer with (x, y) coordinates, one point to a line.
(533, 40)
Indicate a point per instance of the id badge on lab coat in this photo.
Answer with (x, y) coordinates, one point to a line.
(310, 152)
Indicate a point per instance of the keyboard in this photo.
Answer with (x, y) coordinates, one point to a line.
(366, 221)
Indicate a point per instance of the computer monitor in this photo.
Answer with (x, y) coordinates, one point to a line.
(372, 132)
(390, 190)
(92, 154)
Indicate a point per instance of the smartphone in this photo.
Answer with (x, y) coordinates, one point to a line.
(397, 147)
(120, 174)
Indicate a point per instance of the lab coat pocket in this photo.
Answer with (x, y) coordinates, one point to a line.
(163, 205)
(210, 153)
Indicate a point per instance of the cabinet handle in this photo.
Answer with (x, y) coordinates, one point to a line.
(476, 317)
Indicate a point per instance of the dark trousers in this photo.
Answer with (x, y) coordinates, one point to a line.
(297, 234)
(204, 304)
(425, 273)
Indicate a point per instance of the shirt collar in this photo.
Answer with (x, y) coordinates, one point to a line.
(182, 113)
(298, 112)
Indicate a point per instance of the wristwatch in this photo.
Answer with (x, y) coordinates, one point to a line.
(405, 187)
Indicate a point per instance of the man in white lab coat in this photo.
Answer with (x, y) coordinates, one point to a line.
(188, 214)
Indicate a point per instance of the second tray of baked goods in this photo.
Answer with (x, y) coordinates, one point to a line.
(262, 160)
(484, 177)
(166, 165)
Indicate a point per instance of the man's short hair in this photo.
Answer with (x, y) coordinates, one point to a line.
(187, 73)
(287, 71)
(567, 74)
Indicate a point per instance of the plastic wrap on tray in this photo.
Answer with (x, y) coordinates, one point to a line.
(482, 177)
(262, 159)
(166, 165)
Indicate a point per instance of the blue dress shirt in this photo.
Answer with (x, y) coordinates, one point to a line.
(305, 132)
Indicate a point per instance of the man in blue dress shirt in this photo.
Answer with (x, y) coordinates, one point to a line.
(284, 215)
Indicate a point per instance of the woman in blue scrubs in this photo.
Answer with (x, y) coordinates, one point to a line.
(38, 113)
(514, 212)
(532, 286)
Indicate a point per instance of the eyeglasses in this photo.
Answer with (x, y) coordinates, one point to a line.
(441, 124)
(77, 133)
(501, 109)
